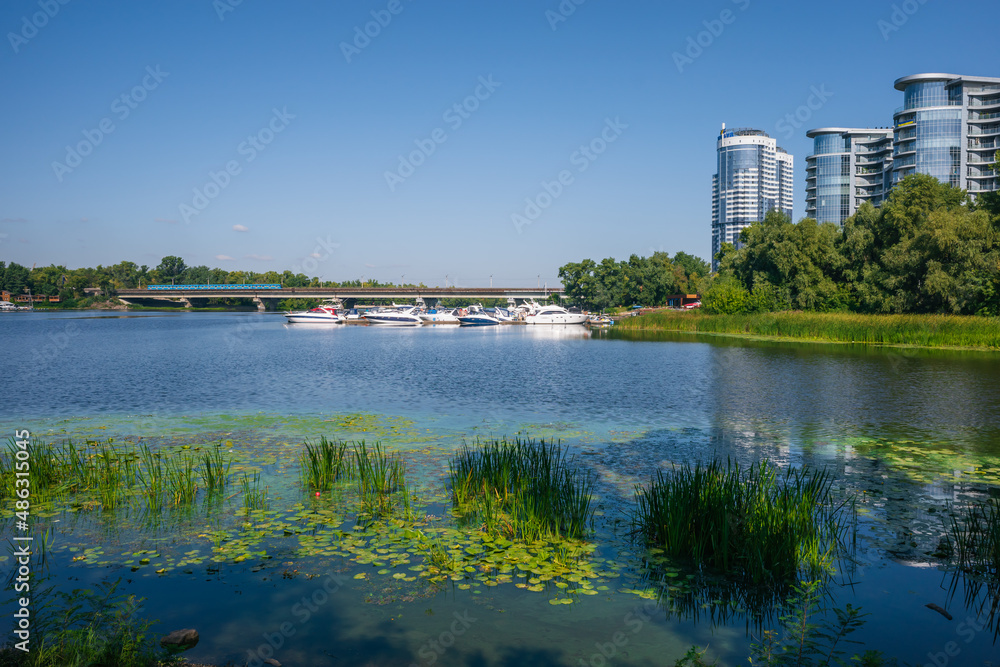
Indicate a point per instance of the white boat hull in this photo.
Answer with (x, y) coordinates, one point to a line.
(557, 318)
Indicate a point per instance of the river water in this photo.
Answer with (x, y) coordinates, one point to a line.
(913, 432)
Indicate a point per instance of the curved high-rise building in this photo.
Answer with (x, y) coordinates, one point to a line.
(753, 176)
(948, 127)
(848, 167)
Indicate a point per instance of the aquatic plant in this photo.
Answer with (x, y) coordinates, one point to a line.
(254, 498)
(975, 535)
(324, 464)
(85, 627)
(215, 473)
(747, 523)
(180, 480)
(522, 489)
(151, 478)
(381, 480)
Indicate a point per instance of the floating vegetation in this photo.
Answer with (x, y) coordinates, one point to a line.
(522, 489)
(746, 522)
(324, 464)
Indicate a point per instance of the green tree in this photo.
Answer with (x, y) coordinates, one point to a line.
(15, 278)
(171, 268)
(792, 262)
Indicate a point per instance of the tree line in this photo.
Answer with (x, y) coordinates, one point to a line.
(70, 284)
(929, 248)
(644, 281)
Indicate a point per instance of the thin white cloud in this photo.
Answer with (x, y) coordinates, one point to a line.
(224, 258)
(263, 258)
(240, 228)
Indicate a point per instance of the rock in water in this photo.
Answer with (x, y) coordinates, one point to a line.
(272, 662)
(180, 640)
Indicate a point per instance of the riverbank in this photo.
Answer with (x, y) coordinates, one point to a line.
(934, 331)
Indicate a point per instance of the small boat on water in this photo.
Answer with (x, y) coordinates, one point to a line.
(325, 313)
(475, 315)
(600, 321)
(400, 316)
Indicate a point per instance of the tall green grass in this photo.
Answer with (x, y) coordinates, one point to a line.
(917, 330)
(522, 489)
(254, 497)
(381, 481)
(112, 476)
(750, 523)
(324, 464)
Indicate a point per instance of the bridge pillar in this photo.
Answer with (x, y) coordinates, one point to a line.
(185, 301)
(431, 302)
(261, 306)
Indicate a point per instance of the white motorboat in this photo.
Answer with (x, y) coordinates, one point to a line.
(325, 313)
(600, 321)
(400, 316)
(554, 315)
(438, 316)
(474, 315)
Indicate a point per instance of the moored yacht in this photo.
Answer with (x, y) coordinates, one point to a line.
(325, 313)
(397, 316)
(438, 316)
(553, 314)
(474, 315)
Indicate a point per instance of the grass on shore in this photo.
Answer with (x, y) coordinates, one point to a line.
(915, 330)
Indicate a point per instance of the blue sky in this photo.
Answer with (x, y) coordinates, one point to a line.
(308, 128)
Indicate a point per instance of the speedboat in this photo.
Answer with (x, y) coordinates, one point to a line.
(474, 315)
(600, 321)
(323, 314)
(437, 316)
(503, 315)
(400, 316)
(554, 315)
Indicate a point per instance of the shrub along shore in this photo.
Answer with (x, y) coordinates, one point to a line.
(937, 331)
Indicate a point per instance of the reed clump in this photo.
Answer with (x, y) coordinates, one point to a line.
(522, 489)
(975, 538)
(325, 464)
(915, 330)
(381, 481)
(753, 523)
(254, 497)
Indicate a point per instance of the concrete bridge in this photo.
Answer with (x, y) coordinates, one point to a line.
(267, 299)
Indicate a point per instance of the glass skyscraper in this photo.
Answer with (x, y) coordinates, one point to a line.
(753, 176)
(848, 167)
(948, 127)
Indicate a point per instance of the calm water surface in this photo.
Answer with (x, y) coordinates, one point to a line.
(627, 406)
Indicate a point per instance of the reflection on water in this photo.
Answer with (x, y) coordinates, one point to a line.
(912, 432)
